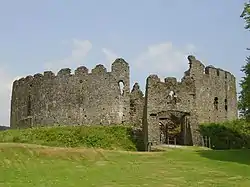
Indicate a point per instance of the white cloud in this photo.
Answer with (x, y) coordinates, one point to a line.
(191, 48)
(5, 96)
(110, 57)
(163, 58)
(80, 50)
(6, 82)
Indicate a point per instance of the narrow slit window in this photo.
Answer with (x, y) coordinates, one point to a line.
(216, 103)
(226, 106)
(29, 106)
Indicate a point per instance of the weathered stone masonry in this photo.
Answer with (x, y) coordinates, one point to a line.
(205, 94)
(73, 99)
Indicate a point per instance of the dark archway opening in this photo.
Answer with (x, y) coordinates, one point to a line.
(175, 129)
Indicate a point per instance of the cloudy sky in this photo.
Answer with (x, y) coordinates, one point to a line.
(153, 36)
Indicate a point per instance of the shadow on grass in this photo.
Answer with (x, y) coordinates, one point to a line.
(241, 156)
(230, 141)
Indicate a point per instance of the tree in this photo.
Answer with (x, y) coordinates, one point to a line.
(246, 15)
(244, 99)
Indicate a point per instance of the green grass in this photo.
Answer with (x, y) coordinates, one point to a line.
(23, 165)
(106, 137)
(95, 156)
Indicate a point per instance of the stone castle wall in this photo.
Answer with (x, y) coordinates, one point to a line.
(205, 94)
(71, 99)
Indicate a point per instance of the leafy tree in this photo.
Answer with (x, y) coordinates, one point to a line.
(244, 99)
(246, 15)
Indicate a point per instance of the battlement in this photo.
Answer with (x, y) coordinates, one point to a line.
(118, 66)
(186, 81)
(82, 70)
(170, 80)
(199, 70)
(48, 74)
(218, 73)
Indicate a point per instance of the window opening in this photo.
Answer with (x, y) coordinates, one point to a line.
(29, 106)
(218, 72)
(216, 103)
(173, 96)
(226, 107)
(121, 87)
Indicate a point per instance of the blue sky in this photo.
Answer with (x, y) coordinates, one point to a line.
(153, 36)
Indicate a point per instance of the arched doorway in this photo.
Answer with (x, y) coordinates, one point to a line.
(174, 127)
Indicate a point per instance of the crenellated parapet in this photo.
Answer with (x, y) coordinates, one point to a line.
(218, 73)
(198, 70)
(99, 69)
(120, 68)
(187, 83)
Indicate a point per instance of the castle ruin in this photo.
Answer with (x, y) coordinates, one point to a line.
(205, 94)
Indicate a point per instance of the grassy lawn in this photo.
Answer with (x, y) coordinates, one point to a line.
(23, 165)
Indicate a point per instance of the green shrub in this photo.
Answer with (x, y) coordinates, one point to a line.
(227, 135)
(107, 137)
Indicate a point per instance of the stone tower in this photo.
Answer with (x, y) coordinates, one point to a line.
(205, 94)
(94, 98)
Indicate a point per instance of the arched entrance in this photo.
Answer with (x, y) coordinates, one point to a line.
(174, 127)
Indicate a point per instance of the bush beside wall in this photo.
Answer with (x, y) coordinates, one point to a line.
(227, 135)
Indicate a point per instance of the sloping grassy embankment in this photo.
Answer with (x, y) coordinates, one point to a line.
(24, 165)
(106, 137)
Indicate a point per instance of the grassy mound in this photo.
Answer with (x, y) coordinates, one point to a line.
(108, 137)
(32, 165)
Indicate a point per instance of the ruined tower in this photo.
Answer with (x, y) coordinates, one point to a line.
(89, 98)
(205, 94)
